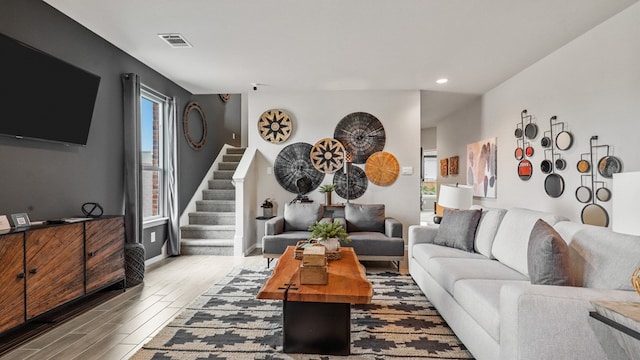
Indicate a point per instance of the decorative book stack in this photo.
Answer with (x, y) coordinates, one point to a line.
(313, 270)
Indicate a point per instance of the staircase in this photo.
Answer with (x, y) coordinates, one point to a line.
(211, 228)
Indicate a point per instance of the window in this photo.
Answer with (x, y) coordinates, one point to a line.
(152, 147)
(430, 173)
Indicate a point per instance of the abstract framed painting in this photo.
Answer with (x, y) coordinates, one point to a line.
(444, 167)
(453, 165)
(481, 168)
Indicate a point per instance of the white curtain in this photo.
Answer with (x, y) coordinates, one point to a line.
(132, 178)
(173, 242)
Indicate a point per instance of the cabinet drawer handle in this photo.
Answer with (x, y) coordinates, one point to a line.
(22, 276)
(33, 271)
(92, 254)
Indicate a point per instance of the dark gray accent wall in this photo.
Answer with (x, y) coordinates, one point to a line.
(222, 120)
(48, 180)
(154, 248)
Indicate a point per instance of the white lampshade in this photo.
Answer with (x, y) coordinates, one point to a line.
(626, 203)
(455, 196)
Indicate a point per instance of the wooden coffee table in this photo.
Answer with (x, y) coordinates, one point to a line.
(317, 318)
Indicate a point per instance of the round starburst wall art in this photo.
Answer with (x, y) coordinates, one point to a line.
(275, 126)
(327, 155)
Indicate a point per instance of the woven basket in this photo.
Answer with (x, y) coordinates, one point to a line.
(134, 264)
(635, 279)
(331, 255)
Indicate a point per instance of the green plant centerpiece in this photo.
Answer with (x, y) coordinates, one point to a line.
(327, 189)
(329, 234)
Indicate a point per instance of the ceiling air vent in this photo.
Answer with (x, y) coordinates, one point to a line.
(175, 40)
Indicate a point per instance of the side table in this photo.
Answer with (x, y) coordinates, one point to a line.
(623, 325)
(260, 228)
(335, 210)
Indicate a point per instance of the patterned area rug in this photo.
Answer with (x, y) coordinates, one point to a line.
(228, 322)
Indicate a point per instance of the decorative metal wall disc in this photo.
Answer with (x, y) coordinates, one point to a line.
(357, 183)
(327, 155)
(275, 126)
(362, 134)
(382, 168)
(594, 214)
(609, 165)
(292, 164)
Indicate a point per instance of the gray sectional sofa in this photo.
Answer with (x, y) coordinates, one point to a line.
(374, 236)
(487, 297)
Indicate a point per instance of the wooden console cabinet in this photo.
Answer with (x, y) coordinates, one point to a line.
(54, 262)
(104, 256)
(12, 280)
(44, 267)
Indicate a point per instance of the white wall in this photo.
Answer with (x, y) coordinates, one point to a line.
(454, 133)
(315, 116)
(428, 138)
(592, 84)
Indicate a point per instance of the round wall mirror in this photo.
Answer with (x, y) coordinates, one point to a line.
(194, 112)
(609, 165)
(564, 140)
(545, 142)
(546, 166)
(531, 131)
(525, 170)
(583, 166)
(594, 214)
(554, 185)
(583, 194)
(603, 194)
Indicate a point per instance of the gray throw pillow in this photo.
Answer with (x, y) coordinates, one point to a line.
(548, 256)
(298, 217)
(369, 217)
(458, 229)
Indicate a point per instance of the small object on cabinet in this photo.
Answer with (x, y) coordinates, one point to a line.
(20, 220)
(4, 223)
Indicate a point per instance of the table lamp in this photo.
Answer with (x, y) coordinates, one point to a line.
(454, 197)
(626, 203)
(625, 209)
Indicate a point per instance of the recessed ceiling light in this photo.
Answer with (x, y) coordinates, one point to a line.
(442, 81)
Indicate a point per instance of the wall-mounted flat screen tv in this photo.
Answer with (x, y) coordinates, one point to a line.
(42, 97)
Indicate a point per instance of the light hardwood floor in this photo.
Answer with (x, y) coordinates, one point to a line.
(119, 327)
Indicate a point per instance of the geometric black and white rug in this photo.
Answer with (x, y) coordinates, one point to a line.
(228, 322)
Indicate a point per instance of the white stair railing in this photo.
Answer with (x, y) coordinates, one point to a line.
(245, 181)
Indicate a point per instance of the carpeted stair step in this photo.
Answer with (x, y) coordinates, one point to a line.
(221, 184)
(216, 205)
(208, 231)
(206, 247)
(227, 165)
(235, 150)
(212, 218)
(232, 158)
(219, 194)
(223, 174)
